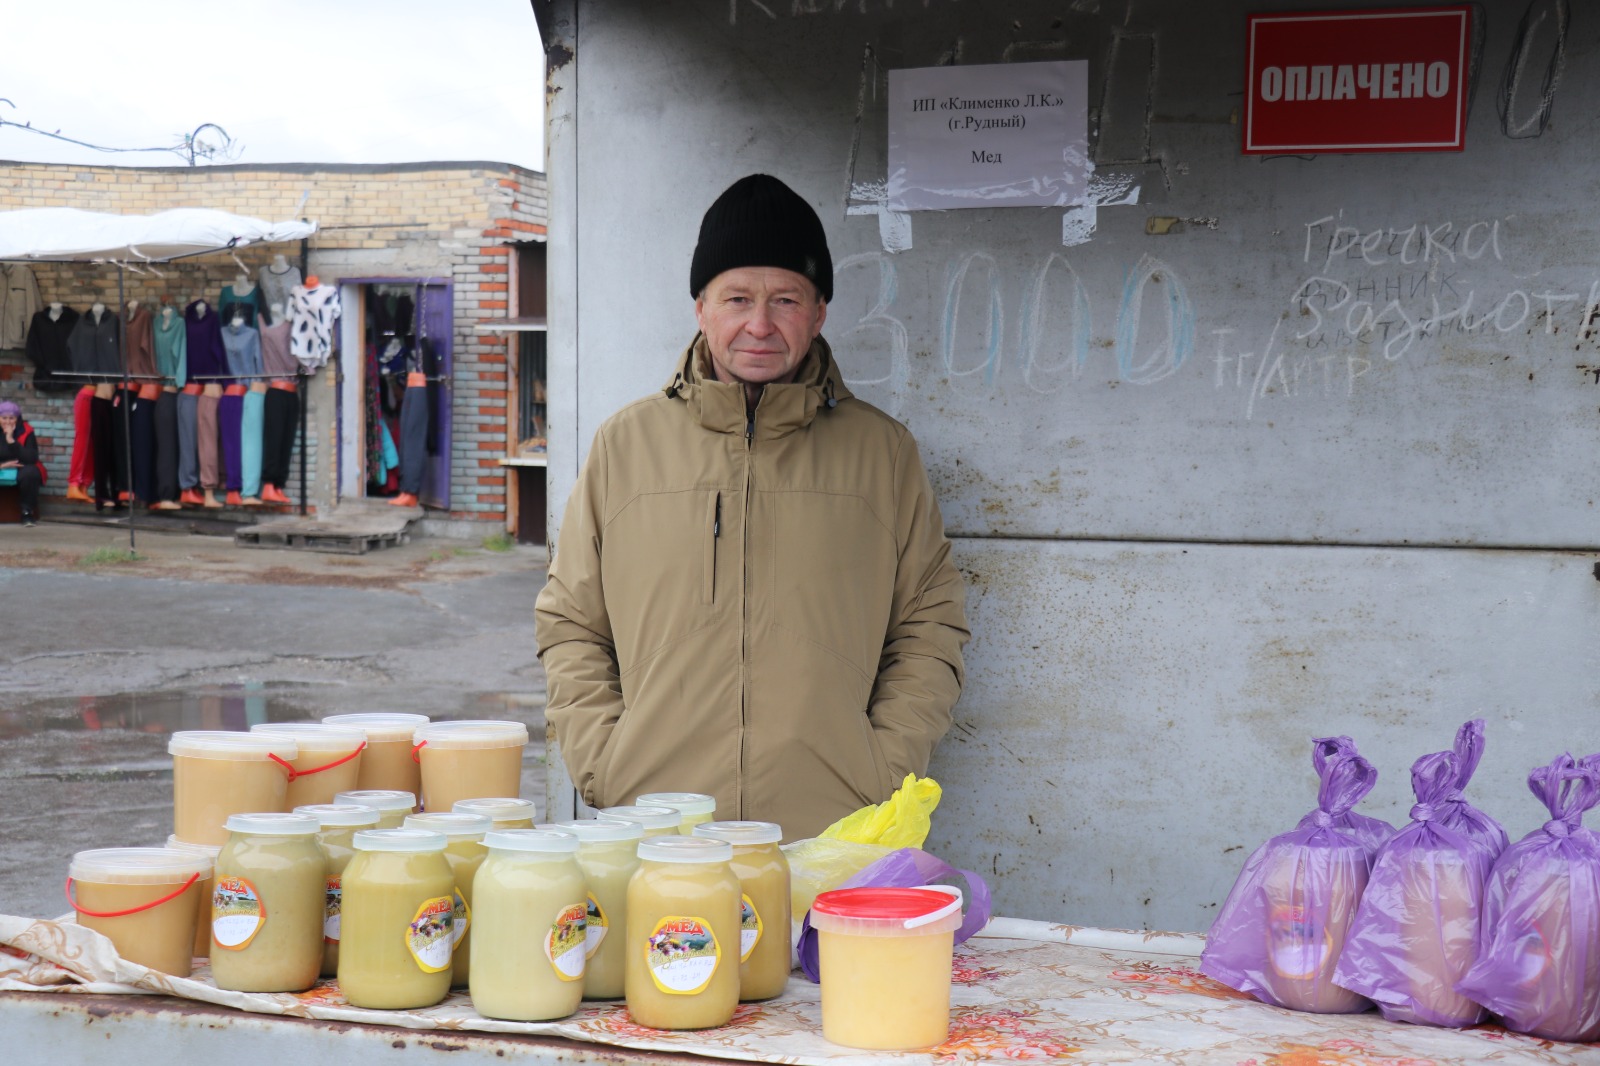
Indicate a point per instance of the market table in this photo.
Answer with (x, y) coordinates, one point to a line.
(1021, 990)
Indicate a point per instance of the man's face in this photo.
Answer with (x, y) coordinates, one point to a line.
(759, 322)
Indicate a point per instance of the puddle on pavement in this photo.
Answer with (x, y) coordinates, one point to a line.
(231, 707)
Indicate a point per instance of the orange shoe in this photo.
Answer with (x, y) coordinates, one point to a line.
(273, 494)
(75, 492)
(191, 498)
(233, 499)
(124, 497)
(405, 499)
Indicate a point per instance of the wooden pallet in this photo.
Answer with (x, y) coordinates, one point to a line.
(342, 543)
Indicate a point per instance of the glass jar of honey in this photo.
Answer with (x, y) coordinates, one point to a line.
(398, 921)
(763, 875)
(392, 805)
(608, 853)
(656, 821)
(340, 822)
(508, 812)
(465, 852)
(682, 967)
(530, 960)
(267, 904)
(694, 808)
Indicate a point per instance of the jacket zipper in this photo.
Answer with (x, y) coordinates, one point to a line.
(744, 608)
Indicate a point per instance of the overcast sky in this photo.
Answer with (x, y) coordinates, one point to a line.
(291, 81)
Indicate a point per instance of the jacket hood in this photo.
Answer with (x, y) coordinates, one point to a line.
(783, 408)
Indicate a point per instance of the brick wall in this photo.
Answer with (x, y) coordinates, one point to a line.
(428, 220)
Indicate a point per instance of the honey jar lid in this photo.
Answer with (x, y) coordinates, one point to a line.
(314, 736)
(471, 734)
(690, 804)
(599, 830)
(649, 817)
(381, 727)
(886, 911)
(500, 808)
(741, 832)
(138, 866)
(542, 841)
(413, 840)
(232, 746)
(452, 825)
(275, 823)
(685, 849)
(343, 815)
(383, 799)
(200, 849)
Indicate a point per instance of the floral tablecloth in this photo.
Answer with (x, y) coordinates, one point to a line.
(1021, 990)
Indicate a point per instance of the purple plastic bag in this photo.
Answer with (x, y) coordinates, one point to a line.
(1416, 932)
(1280, 932)
(1539, 960)
(1372, 832)
(1454, 812)
(906, 868)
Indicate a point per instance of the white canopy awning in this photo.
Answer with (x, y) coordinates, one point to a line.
(65, 234)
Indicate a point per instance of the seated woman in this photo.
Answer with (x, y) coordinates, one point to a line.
(19, 460)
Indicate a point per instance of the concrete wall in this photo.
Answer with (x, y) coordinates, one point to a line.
(428, 220)
(1225, 471)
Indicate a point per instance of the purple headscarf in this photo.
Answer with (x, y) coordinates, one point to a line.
(7, 407)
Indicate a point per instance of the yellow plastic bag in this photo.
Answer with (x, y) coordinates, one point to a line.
(853, 843)
(902, 821)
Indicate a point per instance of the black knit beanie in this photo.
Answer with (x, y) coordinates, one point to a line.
(759, 221)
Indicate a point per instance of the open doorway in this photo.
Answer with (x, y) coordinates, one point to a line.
(396, 362)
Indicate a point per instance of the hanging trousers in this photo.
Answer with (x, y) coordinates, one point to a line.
(142, 438)
(110, 450)
(207, 446)
(250, 431)
(189, 438)
(230, 414)
(277, 435)
(82, 473)
(413, 436)
(167, 445)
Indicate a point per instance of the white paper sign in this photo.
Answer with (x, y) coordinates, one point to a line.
(999, 135)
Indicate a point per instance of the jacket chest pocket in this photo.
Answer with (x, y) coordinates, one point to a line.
(659, 569)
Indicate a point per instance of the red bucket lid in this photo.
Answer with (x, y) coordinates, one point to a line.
(894, 904)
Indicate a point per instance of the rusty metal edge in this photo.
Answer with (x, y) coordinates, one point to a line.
(93, 1007)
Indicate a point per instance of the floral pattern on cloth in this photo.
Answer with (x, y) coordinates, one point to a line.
(1021, 991)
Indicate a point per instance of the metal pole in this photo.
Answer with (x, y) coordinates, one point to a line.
(305, 267)
(127, 432)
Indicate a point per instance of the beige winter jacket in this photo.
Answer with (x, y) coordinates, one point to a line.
(762, 610)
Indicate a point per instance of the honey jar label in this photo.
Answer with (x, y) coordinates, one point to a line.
(596, 926)
(463, 920)
(1298, 946)
(332, 908)
(431, 935)
(237, 913)
(750, 928)
(566, 944)
(682, 955)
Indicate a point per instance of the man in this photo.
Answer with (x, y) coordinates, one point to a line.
(753, 595)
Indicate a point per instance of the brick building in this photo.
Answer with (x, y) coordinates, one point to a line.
(461, 237)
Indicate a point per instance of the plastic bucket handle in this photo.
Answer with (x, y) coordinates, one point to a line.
(294, 774)
(953, 907)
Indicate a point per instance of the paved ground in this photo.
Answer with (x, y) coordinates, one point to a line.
(101, 656)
